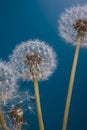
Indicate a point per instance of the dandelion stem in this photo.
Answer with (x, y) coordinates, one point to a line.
(2, 121)
(40, 120)
(71, 82)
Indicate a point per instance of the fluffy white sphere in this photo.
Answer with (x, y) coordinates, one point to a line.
(41, 60)
(67, 20)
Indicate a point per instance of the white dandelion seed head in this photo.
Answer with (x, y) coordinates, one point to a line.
(7, 83)
(67, 19)
(22, 100)
(33, 59)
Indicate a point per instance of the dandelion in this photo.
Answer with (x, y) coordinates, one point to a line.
(16, 108)
(34, 60)
(73, 28)
(7, 85)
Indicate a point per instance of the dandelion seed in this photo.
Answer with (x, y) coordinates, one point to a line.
(73, 28)
(34, 60)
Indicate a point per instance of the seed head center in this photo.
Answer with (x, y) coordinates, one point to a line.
(80, 26)
(33, 58)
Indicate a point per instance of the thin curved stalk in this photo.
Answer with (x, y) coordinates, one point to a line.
(71, 82)
(39, 113)
(2, 121)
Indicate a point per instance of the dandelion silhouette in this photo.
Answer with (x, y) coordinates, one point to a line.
(73, 28)
(7, 87)
(34, 60)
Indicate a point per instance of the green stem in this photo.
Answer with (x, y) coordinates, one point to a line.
(71, 82)
(2, 121)
(37, 96)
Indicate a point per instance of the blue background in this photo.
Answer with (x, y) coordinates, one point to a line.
(21, 20)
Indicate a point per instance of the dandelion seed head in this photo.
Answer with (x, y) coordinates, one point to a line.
(73, 22)
(33, 59)
(17, 107)
(7, 83)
